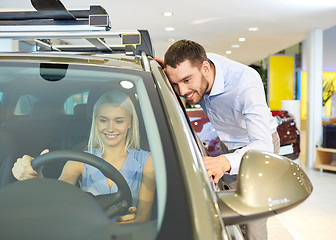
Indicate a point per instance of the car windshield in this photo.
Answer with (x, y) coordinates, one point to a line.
(51, 106)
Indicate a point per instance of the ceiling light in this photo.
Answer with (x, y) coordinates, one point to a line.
(167, 14)
(126, 84)
(235, 46)
(169, 29)
(253, 29)
(228, 52)
(171, 39)
(241, 39)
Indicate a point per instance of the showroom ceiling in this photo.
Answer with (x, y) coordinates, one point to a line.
(216, 24)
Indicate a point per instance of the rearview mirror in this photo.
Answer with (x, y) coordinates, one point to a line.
(53, 71)
(268, 184)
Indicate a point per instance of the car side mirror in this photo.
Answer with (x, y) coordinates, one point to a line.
(268, 184)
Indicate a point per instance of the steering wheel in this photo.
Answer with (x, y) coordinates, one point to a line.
(113, 204)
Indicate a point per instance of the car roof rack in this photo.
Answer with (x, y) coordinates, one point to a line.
(52, 27)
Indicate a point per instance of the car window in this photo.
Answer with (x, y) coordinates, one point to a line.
(24, 105)
(50, 99)
(73, 101)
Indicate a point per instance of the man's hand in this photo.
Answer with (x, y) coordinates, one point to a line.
(216, 167)
(160, 61)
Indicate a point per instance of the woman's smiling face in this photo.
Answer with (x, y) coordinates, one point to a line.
(113, 123)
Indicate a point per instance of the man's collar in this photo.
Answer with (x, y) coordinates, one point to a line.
(218, 85)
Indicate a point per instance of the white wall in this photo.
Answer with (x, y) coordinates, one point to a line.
(329, 51)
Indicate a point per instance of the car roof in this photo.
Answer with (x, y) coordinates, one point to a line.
(112, 60)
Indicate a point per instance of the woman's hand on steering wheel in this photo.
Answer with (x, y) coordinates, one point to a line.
(22, 169)
(130, 217)
(114, 204)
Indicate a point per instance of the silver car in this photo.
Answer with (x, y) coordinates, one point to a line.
(46, 101)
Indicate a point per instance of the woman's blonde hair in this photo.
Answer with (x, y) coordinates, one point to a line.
(122, 100)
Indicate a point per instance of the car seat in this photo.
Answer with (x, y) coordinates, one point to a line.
(77, 129)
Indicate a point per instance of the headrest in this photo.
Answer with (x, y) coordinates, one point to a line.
(80, 111)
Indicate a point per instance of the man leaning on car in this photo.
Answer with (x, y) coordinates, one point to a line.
(233, 97)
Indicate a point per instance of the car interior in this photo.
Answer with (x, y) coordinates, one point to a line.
(40, 113)
(56, 117)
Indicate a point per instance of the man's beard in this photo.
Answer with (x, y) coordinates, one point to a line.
(198, 94)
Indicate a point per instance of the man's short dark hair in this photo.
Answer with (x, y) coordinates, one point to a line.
(185, 50)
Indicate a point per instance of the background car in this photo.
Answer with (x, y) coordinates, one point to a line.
(289, 134)
(47, 98)
(205, 131)
(287, 130)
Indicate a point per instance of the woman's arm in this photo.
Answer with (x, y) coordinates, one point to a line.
(23, 170)
(71, 172)
(147, 190)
